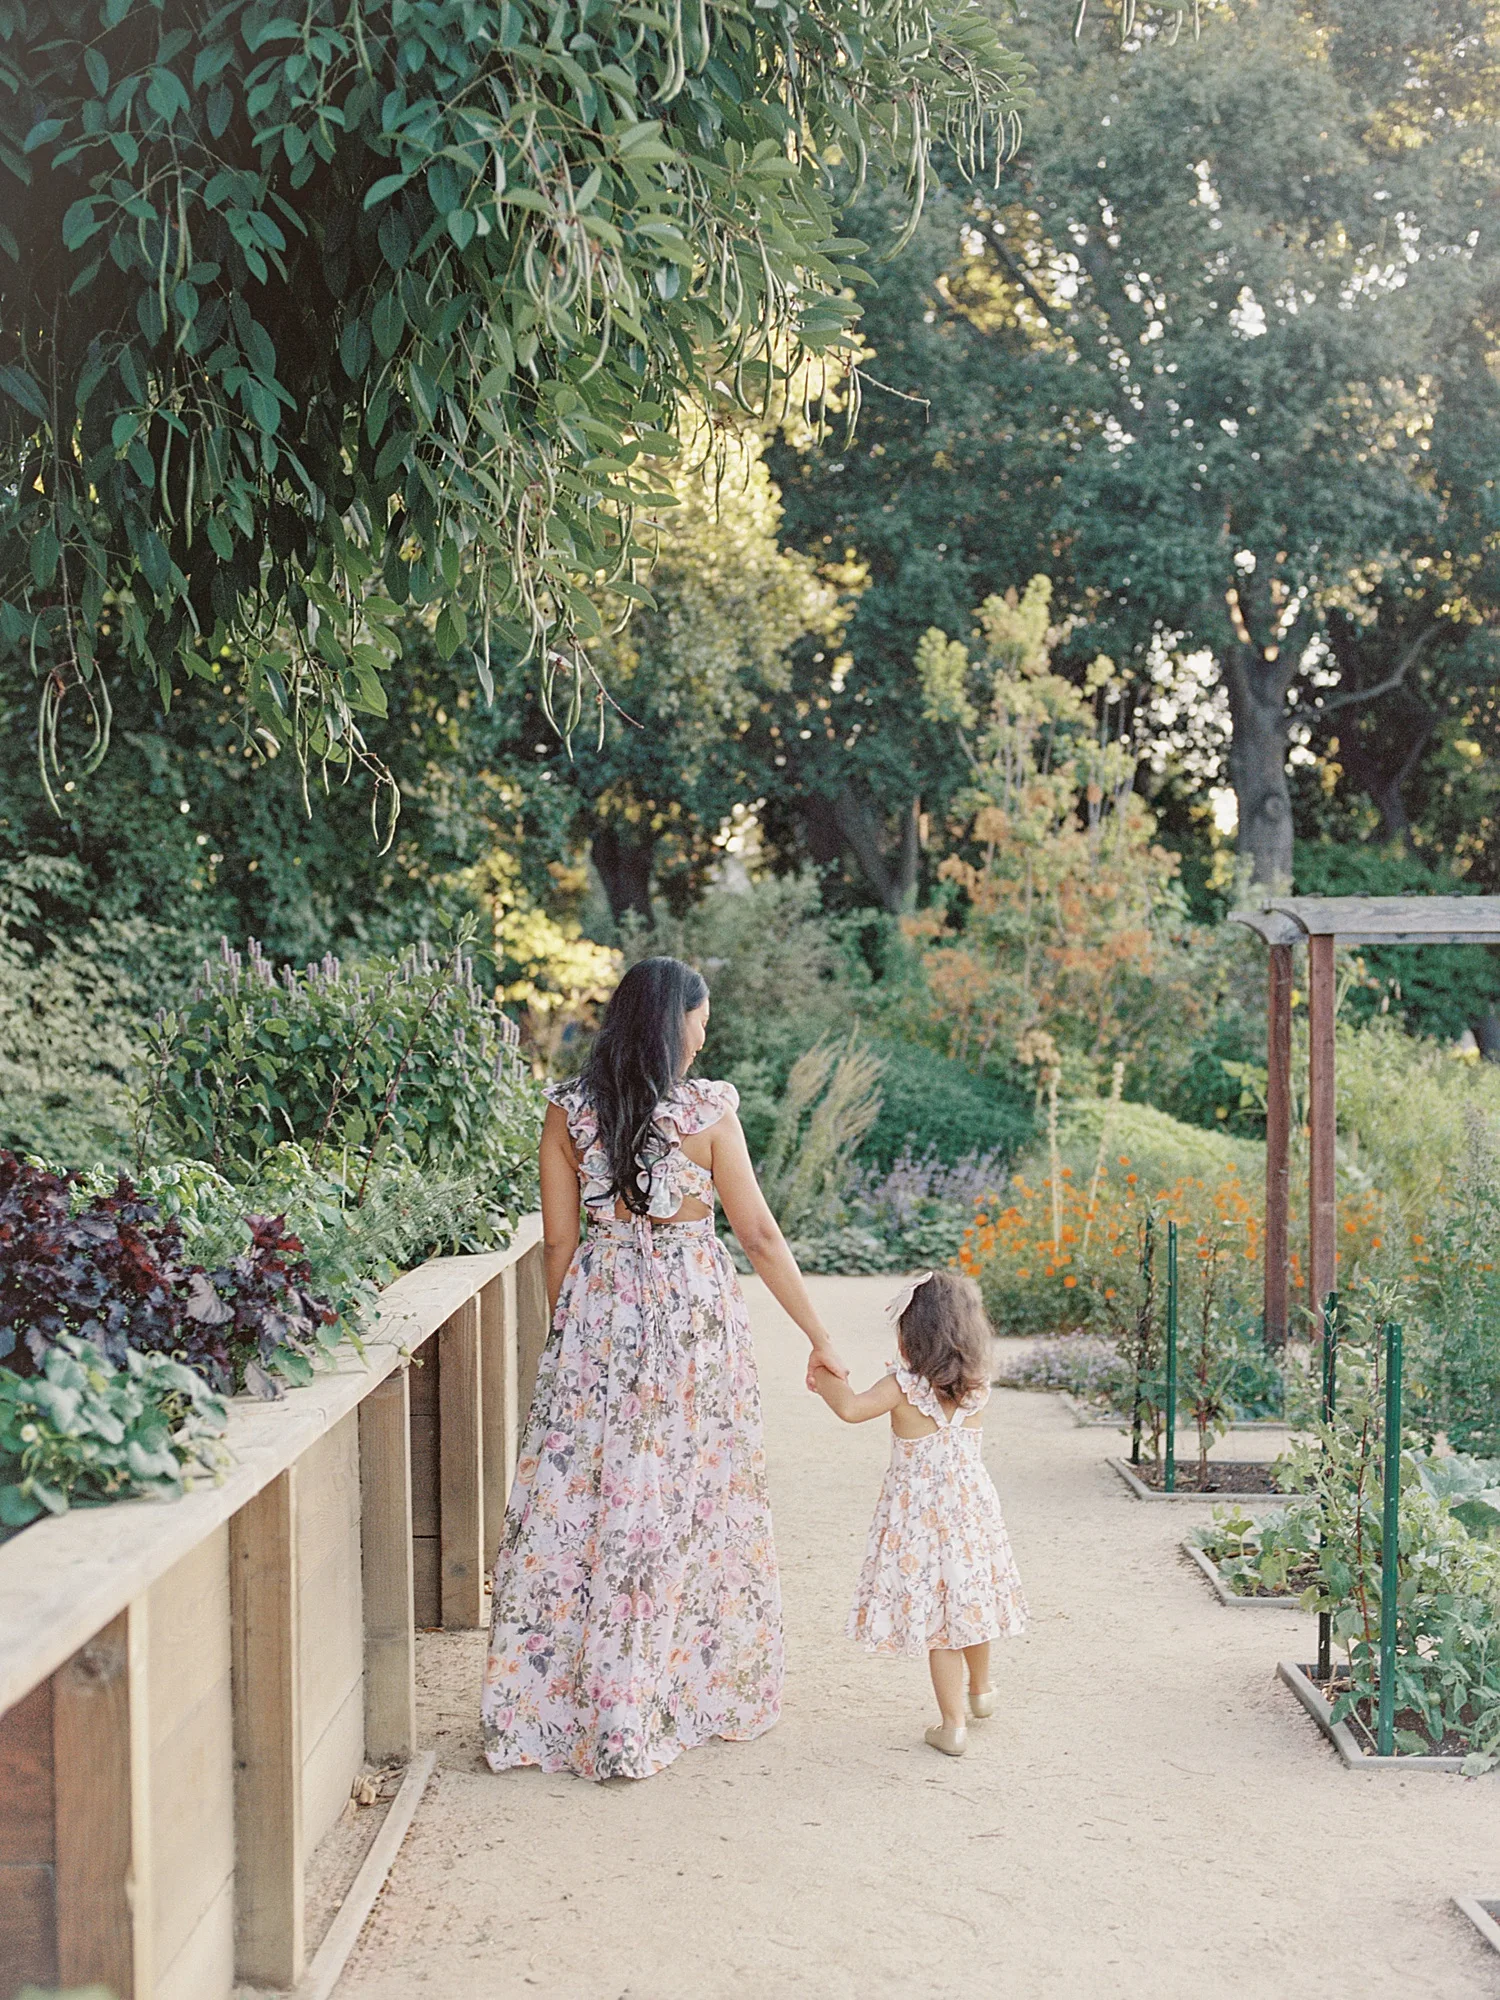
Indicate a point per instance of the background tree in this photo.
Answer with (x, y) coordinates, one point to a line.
(677, 750)
(1203, 319)
(302, 319)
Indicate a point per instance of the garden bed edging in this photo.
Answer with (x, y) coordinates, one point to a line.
(1228, 1598)
(1141, 1491)
(1342, 1737)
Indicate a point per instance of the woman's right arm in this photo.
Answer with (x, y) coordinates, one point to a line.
(761, 1240)
(560, 1224)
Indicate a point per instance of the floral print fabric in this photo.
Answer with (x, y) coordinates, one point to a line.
(938, 1568)
(637, 1608)
(692, 1105)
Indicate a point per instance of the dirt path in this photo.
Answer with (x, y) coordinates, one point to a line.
(1148, 1811)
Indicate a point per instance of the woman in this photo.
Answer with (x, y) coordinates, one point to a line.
(637, 1610)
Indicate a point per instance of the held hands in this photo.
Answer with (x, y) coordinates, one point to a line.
(824, 1360)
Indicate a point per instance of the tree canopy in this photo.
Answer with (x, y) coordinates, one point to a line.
(1215, 359)
(304, 317)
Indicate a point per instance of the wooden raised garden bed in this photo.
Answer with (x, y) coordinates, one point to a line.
(188, 1689)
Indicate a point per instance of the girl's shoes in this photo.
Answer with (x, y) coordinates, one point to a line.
(982, 1703)
(950, 1737)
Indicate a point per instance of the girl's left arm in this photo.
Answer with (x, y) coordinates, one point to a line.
(561, 1226)
(858, 1406)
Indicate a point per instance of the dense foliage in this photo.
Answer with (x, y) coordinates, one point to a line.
(310, 316)
(108, 1269)
(80, 1430)
(406, 1056)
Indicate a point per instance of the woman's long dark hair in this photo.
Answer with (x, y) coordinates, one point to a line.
(635, 1061)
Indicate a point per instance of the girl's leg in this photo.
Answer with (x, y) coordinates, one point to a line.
(947, 1669)
(981, 1694)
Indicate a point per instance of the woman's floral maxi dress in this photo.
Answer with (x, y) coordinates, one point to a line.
(938, 1569)
(637, 1609)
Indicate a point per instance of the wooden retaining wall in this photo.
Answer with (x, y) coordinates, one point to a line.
(188, 1689)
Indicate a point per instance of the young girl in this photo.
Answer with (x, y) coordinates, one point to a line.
(939, 1577)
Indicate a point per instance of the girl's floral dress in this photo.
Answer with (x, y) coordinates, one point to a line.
(938, 1568)
(637, 1609)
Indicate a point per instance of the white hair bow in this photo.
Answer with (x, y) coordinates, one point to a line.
(897, 1306)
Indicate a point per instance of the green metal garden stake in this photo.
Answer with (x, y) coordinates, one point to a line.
(1330, 1379)
(1390, 1544)
(1148, 1253)
(1169, 1481)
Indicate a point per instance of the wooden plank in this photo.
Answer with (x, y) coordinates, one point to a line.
(386, 1561)
(1278, 1140)
(331, 1765)
(1393, 919)
(192, 1746)
(270, 1863)
(500, 1371)
(26, 1801)
(67, 1577)
(189, 1633)
(28, 1925)
(426, 1504)
(28, 1907)
(343, 1933)
(461, 1469)
(1269, 926)
(426, 1485)
(192, 1824)
(1322, 1220)
(427, 1582)
(204, 1968)
(100, 1772)
(533, 1324)
(331, 1644)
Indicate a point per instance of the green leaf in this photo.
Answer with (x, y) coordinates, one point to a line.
(166, 95)
(387, 323)
(44, 130)
(354, 348)
(385, 187)
(19, 386)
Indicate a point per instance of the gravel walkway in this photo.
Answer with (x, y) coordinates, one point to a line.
(1149, 1811)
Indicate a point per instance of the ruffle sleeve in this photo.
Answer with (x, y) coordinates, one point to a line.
(697, 1103)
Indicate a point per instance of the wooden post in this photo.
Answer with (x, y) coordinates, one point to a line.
(499, 1368)
(1278, 1139)
(1322, 1218)
(269, 1858)
(461, 1468)
(386, 1562)
(100, 1753)
(533, 1324)
(28, 1842)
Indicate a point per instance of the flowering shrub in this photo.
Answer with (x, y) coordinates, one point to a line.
(401, 1057)
(914, 1213)
(79, 1430)
(1081, 1363)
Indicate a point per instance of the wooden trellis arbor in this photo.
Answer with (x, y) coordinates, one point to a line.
(1323, 923)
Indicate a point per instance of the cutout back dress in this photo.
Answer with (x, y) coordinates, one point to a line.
(637, 1606)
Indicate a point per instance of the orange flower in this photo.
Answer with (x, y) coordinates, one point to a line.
(1068, 1283)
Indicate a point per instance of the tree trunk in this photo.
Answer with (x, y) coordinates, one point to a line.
(622, 854)
(864, 836)
(1257, 689)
